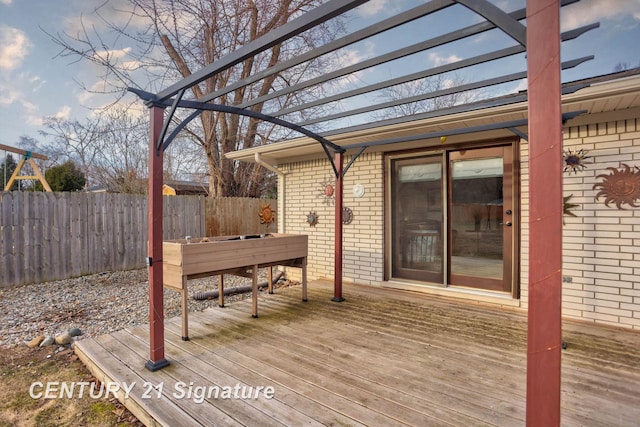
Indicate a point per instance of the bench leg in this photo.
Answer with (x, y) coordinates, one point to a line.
(304, 280)
(185, 311)
(270, 273)
(221, 290)
(254, 292)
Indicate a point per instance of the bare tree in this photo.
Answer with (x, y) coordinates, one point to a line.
(436, 84)
(122, 163)
(182, 36)
(75, 141)
(623, 66)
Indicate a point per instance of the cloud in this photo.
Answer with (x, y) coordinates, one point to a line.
(8, 95)
(31, 113)
(14, 47)
(436, 59)
(589, 11)
(7, 2)
(113, 12)
(63, 113)
(35, 82)
(372, 7)
(108, 55)
(15, 87)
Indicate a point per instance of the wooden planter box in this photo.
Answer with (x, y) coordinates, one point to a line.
(238, 255)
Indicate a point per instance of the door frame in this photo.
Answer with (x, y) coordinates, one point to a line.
(514, 270)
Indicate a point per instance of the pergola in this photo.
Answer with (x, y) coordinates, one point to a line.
(539, 39)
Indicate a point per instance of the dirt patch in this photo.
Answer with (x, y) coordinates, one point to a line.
(22, 367)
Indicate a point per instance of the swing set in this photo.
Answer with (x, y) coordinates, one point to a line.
(27, 156)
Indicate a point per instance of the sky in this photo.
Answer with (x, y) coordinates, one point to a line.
(35, 82)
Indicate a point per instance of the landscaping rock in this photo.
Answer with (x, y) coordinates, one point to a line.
(36, 341)
(47, 341)
(95, 304)
(63, 339)
(75, 332)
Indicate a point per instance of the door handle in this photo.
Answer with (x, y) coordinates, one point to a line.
(508, 223)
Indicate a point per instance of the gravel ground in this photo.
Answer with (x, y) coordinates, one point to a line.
(96, 304)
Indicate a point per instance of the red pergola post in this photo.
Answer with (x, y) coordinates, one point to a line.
(156, 304)
(545, 204)
(338, 159)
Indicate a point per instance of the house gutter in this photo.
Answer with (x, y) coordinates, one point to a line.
(259, 160)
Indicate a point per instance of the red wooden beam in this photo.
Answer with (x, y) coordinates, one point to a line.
(338, 159)
(544, 337)
(156, 303)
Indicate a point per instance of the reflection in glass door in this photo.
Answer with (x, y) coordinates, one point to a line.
(480, 218)
(451, 218)
(417, 218)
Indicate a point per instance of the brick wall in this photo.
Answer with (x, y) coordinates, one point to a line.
(601, 248)
(601, 245)
(363, 238)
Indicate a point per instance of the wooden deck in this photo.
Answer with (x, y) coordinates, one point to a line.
(380, 358)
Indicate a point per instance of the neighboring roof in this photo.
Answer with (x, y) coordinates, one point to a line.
(616, 93)
(188, 187)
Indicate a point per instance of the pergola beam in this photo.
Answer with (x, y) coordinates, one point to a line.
(314, 17)
(442, 92)
(492, 13)
(342, 42)
(496, 102)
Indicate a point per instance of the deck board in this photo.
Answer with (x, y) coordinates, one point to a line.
(381, 357)
(393, 363)
(339, 387)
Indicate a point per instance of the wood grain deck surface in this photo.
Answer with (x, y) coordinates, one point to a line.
(382, 357)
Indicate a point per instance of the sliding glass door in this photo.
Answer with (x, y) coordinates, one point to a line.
(451, 218)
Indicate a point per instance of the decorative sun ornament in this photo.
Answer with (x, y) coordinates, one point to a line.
(327, 192)
(312, 218)
(567, 208)
(347, 215)
(620, 186)
(574, 160)
(266, 214)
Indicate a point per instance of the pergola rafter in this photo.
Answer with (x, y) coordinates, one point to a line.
(540, 39)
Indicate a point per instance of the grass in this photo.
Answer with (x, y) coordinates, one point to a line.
(21, 366)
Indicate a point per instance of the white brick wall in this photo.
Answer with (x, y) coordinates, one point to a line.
(362, 239)
(601, 259)
(601, 246)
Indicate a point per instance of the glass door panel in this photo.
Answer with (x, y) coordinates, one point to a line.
(417, 219)
(480, 235)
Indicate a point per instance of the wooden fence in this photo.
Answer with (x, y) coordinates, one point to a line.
(53, 236)
(228, 216)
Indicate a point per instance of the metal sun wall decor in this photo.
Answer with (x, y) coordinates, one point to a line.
(327, 192)
(621, 186)
(312, 218)
(266, 214)
(347, 215)
(574, 160)
(568, 207)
